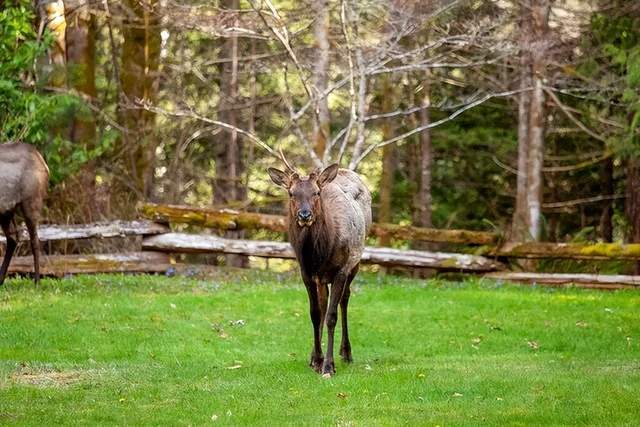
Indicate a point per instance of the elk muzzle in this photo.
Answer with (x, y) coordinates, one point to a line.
(304, 217)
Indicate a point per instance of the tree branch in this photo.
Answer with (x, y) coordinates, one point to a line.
(436, 123)
(193, 115)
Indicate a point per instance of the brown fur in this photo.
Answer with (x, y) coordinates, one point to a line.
(24, 177)
(328, 248)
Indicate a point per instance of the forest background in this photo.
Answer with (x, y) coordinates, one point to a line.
(515, 116)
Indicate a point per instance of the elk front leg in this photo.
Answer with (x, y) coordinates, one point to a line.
(315, 313)
(337, 289)
(7, 229)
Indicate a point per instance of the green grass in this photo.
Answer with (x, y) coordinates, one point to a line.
(149, 350)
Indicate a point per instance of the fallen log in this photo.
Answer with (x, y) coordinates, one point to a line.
(597, 281)
(221, 219)
(592, 251)
(97, 230)
(228, 219)
(60, 265)
(192, 243)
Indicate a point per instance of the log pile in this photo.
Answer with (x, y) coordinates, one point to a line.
(192, 243)
(158, 242)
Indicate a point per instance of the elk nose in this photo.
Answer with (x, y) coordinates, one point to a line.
(304, 215)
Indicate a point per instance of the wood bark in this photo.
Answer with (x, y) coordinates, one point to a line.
(597, 281)
(139, 79)
(531, 119)
(322, 120)
(227, 219)
(61, 265)
(190, 243)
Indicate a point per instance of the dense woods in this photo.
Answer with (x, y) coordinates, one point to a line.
(519, 117)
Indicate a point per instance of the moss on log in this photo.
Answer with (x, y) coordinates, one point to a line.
(409, 232)
(226, 219)
(593, 251)
(221, 219)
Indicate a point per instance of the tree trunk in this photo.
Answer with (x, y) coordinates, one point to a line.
(422, 209)
(52, 17)
(632, 203)
(80, 42)
(531, 120)
(321, 123)
(606, 218)
(139, 79)
(230, 190)
(388, 160)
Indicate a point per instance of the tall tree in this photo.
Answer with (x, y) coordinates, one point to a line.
(422, 200)
(321, 122)
(534, 49)
(230, 188)
(81, 66)
(80, 51)
(385, 211)
(139, 79)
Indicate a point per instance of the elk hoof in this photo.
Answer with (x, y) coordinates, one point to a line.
(346, 356)
(328, 369)
(316, 363)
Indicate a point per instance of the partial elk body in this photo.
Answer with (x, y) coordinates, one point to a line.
(24, 177)
(329, 218)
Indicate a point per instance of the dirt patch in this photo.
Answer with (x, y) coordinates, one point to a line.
(48, 377)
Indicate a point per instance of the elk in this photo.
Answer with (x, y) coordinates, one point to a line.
(24, 177)
(329, 217)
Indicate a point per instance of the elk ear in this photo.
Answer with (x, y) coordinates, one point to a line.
(279, 178)
(328, 175)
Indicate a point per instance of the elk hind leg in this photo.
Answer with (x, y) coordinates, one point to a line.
(9, 232)
(345, 344)
(31, 212)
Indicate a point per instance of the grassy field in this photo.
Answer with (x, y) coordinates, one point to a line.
(233, 349)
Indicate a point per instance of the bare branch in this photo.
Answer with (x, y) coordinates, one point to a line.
(436, 123)
(576, 202)
(571, 116)
(283, 37)
(193, 115)
(293, 122)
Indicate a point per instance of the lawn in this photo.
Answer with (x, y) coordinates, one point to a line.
(232, 350)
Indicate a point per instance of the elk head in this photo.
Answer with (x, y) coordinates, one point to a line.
(305, 193)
